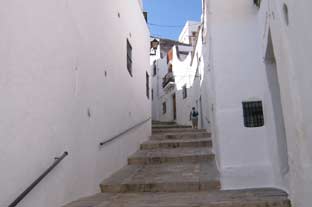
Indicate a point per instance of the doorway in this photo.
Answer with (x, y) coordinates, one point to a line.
(201, 112)
(174, 101)
(274, 89)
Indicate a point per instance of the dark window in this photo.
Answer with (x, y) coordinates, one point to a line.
(152, 94)
(170, 68)
(285, 11)
(147, 86)
(154, 68)
(129, 57)
(253, 114)
(184, 92)
(164, 107)
(145, 15)
(257, 3)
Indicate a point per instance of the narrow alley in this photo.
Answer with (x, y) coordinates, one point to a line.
(156, 103)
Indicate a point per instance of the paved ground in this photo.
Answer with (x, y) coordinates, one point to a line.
(163, 178)
(238, 198)
(176, 168)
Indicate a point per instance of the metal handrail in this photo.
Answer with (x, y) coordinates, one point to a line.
(37, 181)
(124, 132)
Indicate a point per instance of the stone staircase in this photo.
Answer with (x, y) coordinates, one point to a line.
(176, 168)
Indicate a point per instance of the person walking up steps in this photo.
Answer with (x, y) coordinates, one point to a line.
(194, 118)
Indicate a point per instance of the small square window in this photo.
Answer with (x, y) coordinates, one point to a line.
(164, 107)
(184, 92)
(129, 57)
(253, 114)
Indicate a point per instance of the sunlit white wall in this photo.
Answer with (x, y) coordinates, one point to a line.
(65, 87)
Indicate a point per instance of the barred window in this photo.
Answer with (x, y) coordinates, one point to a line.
(253, 114)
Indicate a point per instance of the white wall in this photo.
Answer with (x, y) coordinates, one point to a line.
(59, 60)
(292, 44)
(157, 80)
(244, 156)
(184, 76)
(190, 26)
(200, 65)
(141, 3)
(244, 29)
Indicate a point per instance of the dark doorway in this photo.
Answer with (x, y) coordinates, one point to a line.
(201, 112)
(174, 101)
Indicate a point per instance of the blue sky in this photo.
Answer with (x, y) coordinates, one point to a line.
(171, 13)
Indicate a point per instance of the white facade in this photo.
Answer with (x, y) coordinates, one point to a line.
(261, 54)
(189, 32)
(239, 75)
(65, 87)
(183, 70)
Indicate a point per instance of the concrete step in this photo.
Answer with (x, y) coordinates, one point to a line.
(178, 177)
(179, 143)
(185, 135)
(234, 198)
(176, 130)
(173, 155)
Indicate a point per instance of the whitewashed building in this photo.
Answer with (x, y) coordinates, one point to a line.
(259, 79)
(73, 74)
(175, 66)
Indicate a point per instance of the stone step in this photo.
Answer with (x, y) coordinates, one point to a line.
(173, 155)
(155, 123)
(179, 143)
(185, 135)
(181, 177)
(170, 126)
(176, 130)
(234, 198)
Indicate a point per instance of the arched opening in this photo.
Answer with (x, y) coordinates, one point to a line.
(278, 117)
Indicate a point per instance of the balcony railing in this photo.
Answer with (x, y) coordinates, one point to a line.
(168, 79)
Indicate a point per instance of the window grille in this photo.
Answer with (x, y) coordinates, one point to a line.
(253, 114)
